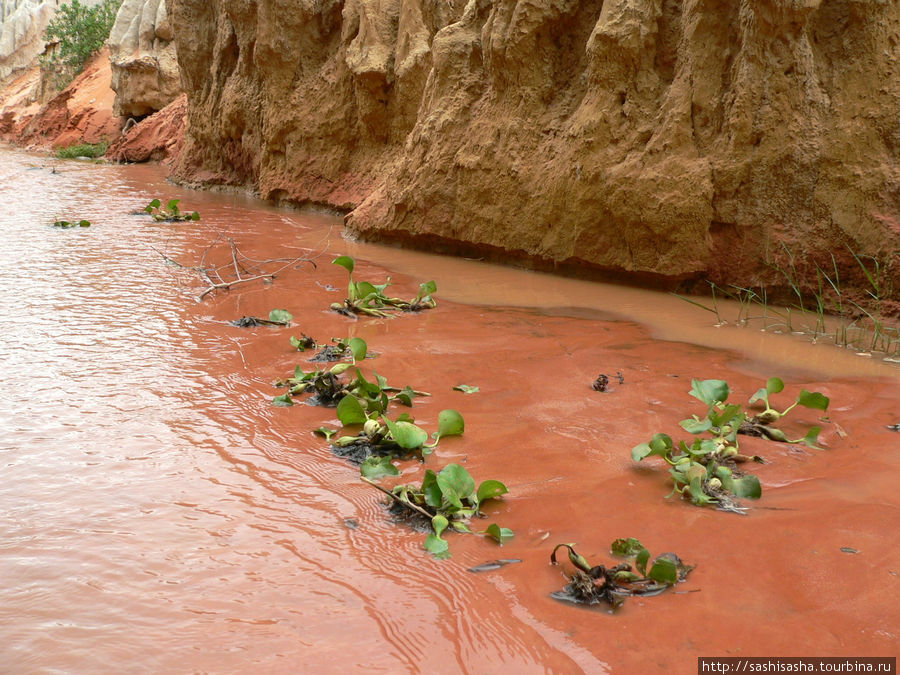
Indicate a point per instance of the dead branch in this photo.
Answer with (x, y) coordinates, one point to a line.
(239, 268)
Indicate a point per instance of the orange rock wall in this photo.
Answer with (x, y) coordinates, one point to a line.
(672, 138)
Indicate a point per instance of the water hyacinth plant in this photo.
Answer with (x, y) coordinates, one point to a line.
(370, 299)
(385, 437)
(171, 213)
(595, 584)
(447, 500)
(705, 470)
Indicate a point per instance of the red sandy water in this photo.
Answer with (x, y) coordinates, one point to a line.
(160, 515)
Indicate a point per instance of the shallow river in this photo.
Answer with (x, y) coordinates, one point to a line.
(158, 514)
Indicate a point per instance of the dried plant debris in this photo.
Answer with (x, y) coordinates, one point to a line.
(277, 317)
(598, 584)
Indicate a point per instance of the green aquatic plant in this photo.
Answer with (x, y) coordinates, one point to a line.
(364, 297)
(384, 437)
(705, 470)
(446, 501)
(277, 317)
(171, 213)
(594, 584)
(66, 224)
(90, 150)
(332, 386)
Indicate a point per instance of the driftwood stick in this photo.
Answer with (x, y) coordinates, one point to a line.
(397, 499)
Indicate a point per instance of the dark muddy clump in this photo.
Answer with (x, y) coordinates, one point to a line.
(330, 353)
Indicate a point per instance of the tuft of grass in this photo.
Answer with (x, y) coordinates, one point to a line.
(817, 304)
(92, 150)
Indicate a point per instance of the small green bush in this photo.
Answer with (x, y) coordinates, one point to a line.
(80, 31)
(82, 150)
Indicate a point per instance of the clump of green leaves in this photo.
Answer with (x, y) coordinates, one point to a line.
(705, 470)
(66, 224)
(370, 299)
(331, 386)
(594, 584)
(91, 150)
(171, 213)
(447, 500)
(385, 437)
(75, 33)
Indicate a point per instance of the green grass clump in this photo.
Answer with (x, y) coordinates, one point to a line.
(92, 150)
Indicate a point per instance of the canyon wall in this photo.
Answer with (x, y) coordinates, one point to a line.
(669, 139)
(145, 73)
(22, 25)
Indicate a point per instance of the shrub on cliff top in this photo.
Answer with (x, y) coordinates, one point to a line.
(78, 31)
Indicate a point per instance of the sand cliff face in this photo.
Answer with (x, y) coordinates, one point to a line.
(144, 67)
(679, 138)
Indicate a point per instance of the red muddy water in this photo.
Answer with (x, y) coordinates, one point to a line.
(160, 515)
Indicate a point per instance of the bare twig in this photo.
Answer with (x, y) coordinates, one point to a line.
(397, 499)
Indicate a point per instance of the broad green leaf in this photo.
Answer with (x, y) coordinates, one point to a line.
(710, 391)
(195, 216)
(358, 348)
(376, 467)
(350, 411)
(460, 526)
(173, 205)
(431, 490)
(456, 484)
(659, 445)
(695, 426)
(427, 289)
(340, 368)
(499, 534)
(280, 315)
(774, 385)
(405, 396)
(812, 437)
(814, 400)
(84, 223)
(155, 204)
(760, 395)
(439, 523)
(747, 486)
(326, 432)
(466, 389)
(626, 547)
(364, 289)
(664, 570)
(283, 401)
(490, 489)
(450, 423)
(706, 446)
(698, 495)
(641, 561)
(722, 418)
(437, 547)
(406, 434)
(344, 261)
(297, 344)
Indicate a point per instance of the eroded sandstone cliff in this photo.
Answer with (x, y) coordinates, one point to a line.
(145, 73)
(673, 138)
